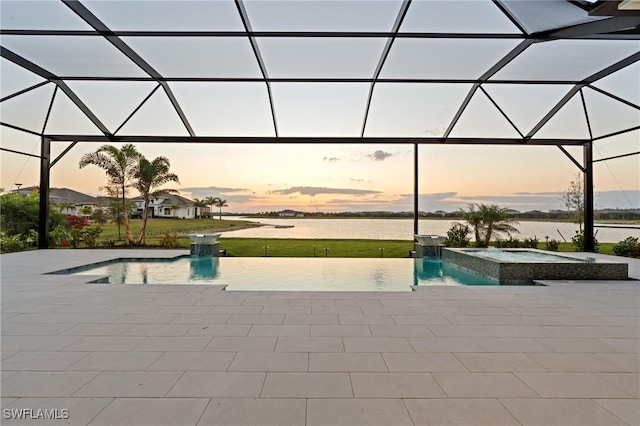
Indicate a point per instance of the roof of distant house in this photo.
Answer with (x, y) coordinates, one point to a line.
(62, 194)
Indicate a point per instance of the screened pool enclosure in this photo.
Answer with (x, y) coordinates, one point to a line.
(502, 72)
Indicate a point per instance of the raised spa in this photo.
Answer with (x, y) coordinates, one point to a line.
(513, 266)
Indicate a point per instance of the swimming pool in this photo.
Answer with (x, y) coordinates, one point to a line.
(283, 274)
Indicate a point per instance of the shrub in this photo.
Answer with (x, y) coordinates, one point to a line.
(90, 236)
(629, 247)
(457, 236)
(12, 243)
(552, 245)
(578, 242)
(57, 235)
(530, 242)
(109, 243)
(99, 216)
(77, 222)
(169, 240)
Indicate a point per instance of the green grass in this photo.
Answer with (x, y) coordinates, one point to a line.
(254, 247)
(604, 248)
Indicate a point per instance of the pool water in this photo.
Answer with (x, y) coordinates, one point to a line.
(276, 274)
(521, 256)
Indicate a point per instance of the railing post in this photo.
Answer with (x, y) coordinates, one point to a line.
(415, 188)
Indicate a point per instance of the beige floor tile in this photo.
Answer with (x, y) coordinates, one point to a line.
(574, 363)
(242, 344)
(256, 319)
(565, 412)
(237, 310)
(422, 362)
(277, 361)
(80, 411)
(97, 329)
(461, 331)
(576, 345)
(160, 330)
(444, 344)
(115, 361)
(239, 330)
(19, 329)
(265, 330)
(500, 362)
(307, 385)
(626, 409)
(417, 319)
(365, 319)
(511, 344)
(192, 361)
(201, 319)
(105, 343)
(44, 384)
(309, 344)
(146, 318)
(336, 310)
(346, 362)
(629, 362)
(129, 384)
(357, 412)
(571, 385)
(400, 331)
(340, 331)
(630, 346)
(37, 343)
(254, 411)
(218, 385)
(377, 344)
(42, 361)
(628, 382)
(387, 310)
(463, 412)
(152, 412)
(302, 310)
(169, 344)
(395, 385)
(311, 319)
(518, 331)
(483, 385)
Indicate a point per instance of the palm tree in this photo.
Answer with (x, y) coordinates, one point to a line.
(149, 177)
(474, 218)
(211, 201)
(65, 206)
(199, 204)
(496, 219)
(174, 208)
(221, 203)
(119, 165)
(488, 220)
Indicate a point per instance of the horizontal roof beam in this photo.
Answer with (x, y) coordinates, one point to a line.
(311, 140)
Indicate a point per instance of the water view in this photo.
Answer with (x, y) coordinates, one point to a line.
(402, 229)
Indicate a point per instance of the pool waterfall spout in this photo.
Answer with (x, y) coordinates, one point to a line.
(205, 245)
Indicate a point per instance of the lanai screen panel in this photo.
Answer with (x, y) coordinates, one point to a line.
(423, 71)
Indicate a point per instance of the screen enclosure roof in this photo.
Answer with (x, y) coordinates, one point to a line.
(481, 71)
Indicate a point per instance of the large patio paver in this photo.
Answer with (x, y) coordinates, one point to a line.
(357, 412)
(254, 411)
(462, 412)
(567, 412)
(307, 385)
(152, 412)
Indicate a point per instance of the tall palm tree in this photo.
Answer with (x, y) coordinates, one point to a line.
(496, 219)
(221, 203)
(211, 201)
(65, 206)
(149, 177)
(119, 165)
(199, 204)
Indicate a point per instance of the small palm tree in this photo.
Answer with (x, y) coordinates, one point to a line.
(120, 166)
(149, 177)
(496, 220)
(211, 201)
(65, 206)
(174, 208)
(474, 218)
(199, 205)
(221, 203)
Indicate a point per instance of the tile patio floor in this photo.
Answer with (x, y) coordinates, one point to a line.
(565, 354)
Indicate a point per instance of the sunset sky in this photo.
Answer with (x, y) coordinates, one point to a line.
(325, 177)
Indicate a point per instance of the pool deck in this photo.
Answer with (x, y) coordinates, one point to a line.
(563, 354)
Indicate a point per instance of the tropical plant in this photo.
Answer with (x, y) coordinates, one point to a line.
(90, 236)
(552, 244)
(199, 205)
(573, 198)
(120, 166)
(221, 203)
(65, 206)
(174, 208)
(149, 177)
(169, 240)
(19, 214)
(211, 202)
(488, 221)
(457, 235)
(629, 247)
(578, 242)
(115, 206)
